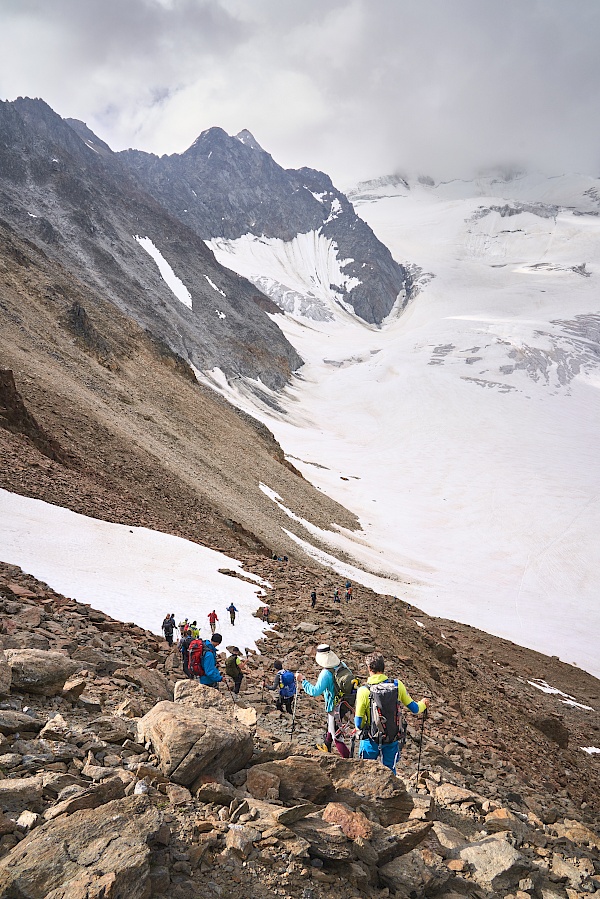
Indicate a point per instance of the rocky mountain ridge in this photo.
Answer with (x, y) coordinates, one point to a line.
(228, 187)
(76, 203)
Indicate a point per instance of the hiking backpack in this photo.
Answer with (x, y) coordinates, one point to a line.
(232, 669)
(288, 684)
(196, 653)
(387, 724)
(345, 685)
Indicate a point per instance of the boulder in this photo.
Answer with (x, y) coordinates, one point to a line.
(240, 839)
(418, 873)
(39, 672)
(191, 692)
(326, 841)
(495, 863)
(19, 794)
(450, 840)
(12, 722)
(399, 839)
(369, 783)
(190, 740)
(262, 784)
(502, 819)
(153, 683)
(577, 833)
(299, 778)
(94, 796)
(112, 729)
(97, 852)
(353, 823)
(450, 794)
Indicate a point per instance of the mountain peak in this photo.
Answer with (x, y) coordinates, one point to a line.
(248, 139)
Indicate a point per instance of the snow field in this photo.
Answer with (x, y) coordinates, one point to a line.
(132, 574)
(464, 433)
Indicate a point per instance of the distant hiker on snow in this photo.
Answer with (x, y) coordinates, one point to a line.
(194, 630)
(168, 626)
(184, 627)
(326, 686)
(212, 620)
(235, 668)
(265, 614)
(285, 683)
(378, 717)
(203, 661)
(313, 598)
(232, 612)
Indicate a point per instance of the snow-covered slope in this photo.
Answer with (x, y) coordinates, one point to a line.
(464, 432)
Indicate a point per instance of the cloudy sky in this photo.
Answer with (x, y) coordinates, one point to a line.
(357, 88)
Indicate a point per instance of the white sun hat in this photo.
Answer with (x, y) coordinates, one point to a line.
(325, 657)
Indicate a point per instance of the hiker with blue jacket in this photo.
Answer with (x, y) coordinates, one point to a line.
(285, 683)
(212, 676)
(377, 715)
(325, 687)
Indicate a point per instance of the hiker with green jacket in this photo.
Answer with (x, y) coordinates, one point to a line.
(377, 716)
(235, 668)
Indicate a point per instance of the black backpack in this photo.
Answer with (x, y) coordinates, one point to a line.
(386, 724)
(345, 685)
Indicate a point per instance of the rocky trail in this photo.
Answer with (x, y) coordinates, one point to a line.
(122, 779)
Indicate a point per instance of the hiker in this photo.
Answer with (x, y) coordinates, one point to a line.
(194, 630)
(285, 683)
(184, 646)
(235, 668)
(326, 687)
(336, 595)
(203, 661)
(377, 715)
(349, 593)
(212, 620)
(313, 598)
(232, 613)
(168, 626)
(265, 614)
(184, 627)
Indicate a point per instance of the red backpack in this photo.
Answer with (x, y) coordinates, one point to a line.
(196, 655)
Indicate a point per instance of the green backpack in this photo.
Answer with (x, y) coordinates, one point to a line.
(345, 685)
(231, 666)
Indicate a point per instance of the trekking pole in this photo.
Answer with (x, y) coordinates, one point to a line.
(421, 743)
(229, 690)
(293, 724)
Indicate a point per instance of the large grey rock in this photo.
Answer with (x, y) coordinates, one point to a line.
(12, 722)
(39, 672)
(326, 841)
(299, 778)
(153, 683)
(369, 783)
(495, 863)
(19, 794)
(98, 852)
(94, 796)
(190, 740)
(418, 873)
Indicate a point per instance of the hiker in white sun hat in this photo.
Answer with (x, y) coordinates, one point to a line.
(325, 686)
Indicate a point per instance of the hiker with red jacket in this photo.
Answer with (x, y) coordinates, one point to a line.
(212, 620)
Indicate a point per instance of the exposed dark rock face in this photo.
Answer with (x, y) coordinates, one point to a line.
(226, 187)
(15, 417)
(66, 192)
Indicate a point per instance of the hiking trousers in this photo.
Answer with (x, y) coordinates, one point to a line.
(390, 753)
(237, 682)
(285, 702)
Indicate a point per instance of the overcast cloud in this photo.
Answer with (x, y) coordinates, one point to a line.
(357, 88)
